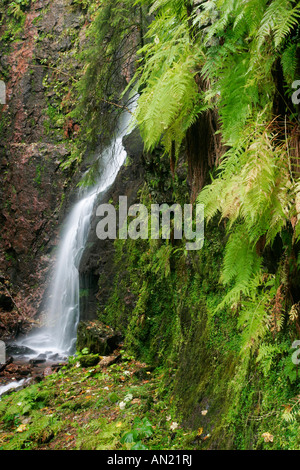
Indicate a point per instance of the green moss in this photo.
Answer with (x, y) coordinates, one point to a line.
(89, 360)
(168, 315)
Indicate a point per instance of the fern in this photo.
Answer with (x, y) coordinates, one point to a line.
(170, 100)
(177, 6)
(255, 194)
(254, 322)
(289, 62)
(240, 261)
(168, 108)
(266, 355)
(234, 45)
(279, 18)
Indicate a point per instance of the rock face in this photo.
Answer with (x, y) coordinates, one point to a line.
(97, 338)
(96, 261)
(36, 64)
(36, 137)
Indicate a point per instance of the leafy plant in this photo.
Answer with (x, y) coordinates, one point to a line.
(170, 100)
(142, 429)
(29, 399)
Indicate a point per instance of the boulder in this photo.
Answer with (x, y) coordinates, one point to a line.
(97, 338)
(109, 360)
(89, 360)
(18, 350)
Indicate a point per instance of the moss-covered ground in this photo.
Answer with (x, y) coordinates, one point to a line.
(117, 408)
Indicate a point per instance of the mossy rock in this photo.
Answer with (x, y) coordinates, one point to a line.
(97, 338)
(89, 360)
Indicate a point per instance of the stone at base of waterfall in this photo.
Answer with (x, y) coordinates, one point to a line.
(47, 371)
(109, 360)
(97, 338)
(89, 360)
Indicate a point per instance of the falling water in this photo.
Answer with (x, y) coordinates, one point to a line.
(58, 337)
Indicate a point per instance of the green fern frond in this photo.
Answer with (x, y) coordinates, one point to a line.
(241, 262)
(168, 104)
(289, 62)
(178, 6)
(254, 194)
(254, 321)
(170, 101)
(279, 18)
(286, 21)
(266, 355)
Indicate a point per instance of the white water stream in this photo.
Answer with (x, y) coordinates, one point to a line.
(58, 337)
(11, 386)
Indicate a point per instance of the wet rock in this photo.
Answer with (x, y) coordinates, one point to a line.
(15, 350)
(133, 144)
(54, 357)
(42, 356)
(97, 338)
(36, 362)
(25, 371)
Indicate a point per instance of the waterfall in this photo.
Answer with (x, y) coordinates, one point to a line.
(58, 337)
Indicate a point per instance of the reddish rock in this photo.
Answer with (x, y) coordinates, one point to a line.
(48, 371)
(32, 186)
(109, 360)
